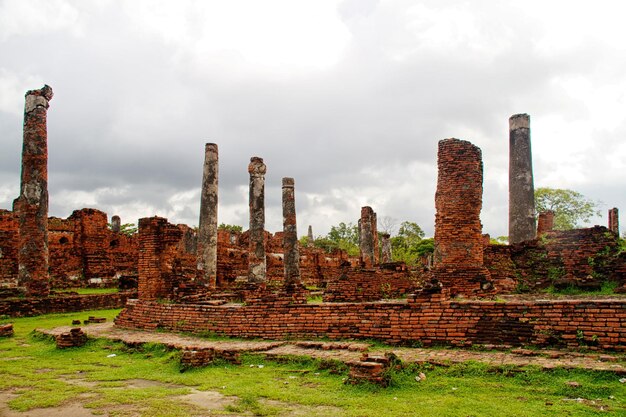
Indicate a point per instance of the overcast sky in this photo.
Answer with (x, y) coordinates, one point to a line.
(348, 97)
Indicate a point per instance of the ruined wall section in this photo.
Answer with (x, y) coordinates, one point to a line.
(600, 325)
(8, 249)
(357, 285)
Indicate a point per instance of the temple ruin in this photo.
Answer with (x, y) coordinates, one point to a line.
(255, 283)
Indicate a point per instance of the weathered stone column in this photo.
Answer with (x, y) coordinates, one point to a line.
(367, 232)
(116, 224)
(545, 223)
(256, 253)
(522, 225)
(32, 204)
(614, 220)
(310, 239)
(458, 260)
(207, 230)
(290, 236)
(386, 247)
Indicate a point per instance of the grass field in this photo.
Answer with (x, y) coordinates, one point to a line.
(108, 378)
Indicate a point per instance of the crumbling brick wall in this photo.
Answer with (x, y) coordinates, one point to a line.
(8, 249)
(582, 258)
(370, 285)
(599, 324)
(165, 270)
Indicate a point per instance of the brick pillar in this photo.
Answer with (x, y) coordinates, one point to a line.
(256, 253)
(310, 239)
(158, 241)
(614, 220)
(386, 247)
(116, 224)
(458, 260)
(367, 234)
(32, 204)
(92, 243)
(522, 225)
(545, 223)
(290, 236)
(207, 231)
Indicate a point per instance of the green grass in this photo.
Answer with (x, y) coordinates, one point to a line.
(89, 290)
(39, 375)
(608, 288)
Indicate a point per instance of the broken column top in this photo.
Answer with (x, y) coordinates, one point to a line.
(256, 166)
(210, 147)
(288, 182)
(38, 98)
(519, 121)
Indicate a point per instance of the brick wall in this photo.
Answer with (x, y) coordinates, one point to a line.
(598, 324)
(369, 285)
(34, 306)
(8, 249)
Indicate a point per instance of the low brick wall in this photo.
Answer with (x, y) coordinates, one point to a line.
(34, 306)
(599, 324)
(370, 285)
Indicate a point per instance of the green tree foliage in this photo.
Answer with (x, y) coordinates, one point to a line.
(127, 229)
(570, 207)
(343, 236)
(230, 227)
(409, 245)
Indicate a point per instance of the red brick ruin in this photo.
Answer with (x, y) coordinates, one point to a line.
(458, 258)
(254, 283)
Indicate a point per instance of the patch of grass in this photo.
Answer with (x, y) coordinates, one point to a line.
(42, 376)
(85, 291)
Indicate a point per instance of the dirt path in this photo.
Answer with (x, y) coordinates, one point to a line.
(349, 351)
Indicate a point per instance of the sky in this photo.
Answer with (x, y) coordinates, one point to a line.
(348, 97)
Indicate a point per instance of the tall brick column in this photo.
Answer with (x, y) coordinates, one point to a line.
(368, 235)
(207, 231)
(158, 248)
(385, 244)
(32, 204)
(256, 254)
(290, 236)
(614, 220)
(458, 260)
(522, 224)
(545, 223)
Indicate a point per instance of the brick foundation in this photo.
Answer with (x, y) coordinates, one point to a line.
(27, 307)
(597, 324)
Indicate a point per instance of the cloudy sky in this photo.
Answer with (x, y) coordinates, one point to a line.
(348, 97)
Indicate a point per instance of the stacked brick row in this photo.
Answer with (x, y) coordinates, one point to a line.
(74, 338)
(363, 285)
(597, 324)
(502, 269)
(458, 261)
(26, 307)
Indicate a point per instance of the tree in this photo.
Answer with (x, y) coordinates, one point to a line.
(387, 224)
(230, 227)
(343, 236)
(570, 207)
(409, 245)
(127, 229)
